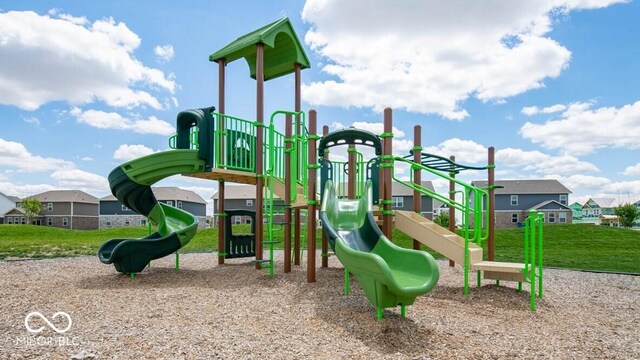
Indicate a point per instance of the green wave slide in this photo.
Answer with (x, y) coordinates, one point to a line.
(389, 275)
(131, 184)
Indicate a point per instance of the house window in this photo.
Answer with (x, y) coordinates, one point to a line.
(23, 221)
(514, 218)
(9, 220)
(49, 221)
(107, 223)
(552, 217)
(398, 201)
(65, 221)
(125, 208)
(562, 217)
(247, 220)
(49, 207)
(237, 220)
(16, 220)
(170, 202)
(563, 199)
(249, 202)
(127, 223)
(514, 200)
(143, 222)
(179, 204)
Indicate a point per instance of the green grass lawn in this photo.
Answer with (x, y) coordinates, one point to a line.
(577, 246)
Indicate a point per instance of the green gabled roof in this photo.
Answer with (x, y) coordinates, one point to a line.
(281, 52)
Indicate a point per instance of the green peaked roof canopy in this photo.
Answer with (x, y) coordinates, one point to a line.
(282, 50)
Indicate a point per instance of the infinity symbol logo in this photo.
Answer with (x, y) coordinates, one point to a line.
(53, 327)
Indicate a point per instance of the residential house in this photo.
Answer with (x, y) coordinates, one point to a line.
(514, 199)
(69, 209)
(7, 204)
(115, 214)
(402, 197)
(243, 197)
(602, 211)
(576, 213)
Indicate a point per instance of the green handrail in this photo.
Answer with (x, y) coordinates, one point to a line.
(235, 143)
(533, 252)
(472, 204)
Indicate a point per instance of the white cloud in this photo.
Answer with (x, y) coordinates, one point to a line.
(16, 155)
(111, 120)
(87, 158)
(32, 120)
(430, 56)
(65, 58)
(79, 179)
(543, 163)
(129, 152)
(633, 170)
(581, 129)
(465, 151)
(533, 110)
(25, 190)
(164, 52)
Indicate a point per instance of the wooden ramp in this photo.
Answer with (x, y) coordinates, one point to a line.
(279, 189)
(436, 237)
(452, 246)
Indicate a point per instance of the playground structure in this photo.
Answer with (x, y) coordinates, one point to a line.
(213, 145)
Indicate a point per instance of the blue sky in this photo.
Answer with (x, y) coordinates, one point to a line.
(551, 84)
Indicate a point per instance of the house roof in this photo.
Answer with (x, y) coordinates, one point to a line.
(555, 205)
(398, 189)
(15, 211)
(282, 50)
(164, 193)
(516, 187)
(76, 196)
(604, 202)
(15, 199)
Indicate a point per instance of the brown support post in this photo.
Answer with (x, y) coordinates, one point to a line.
(287, 192)
(351, 167)
(221, 80)
(417, 175)
(259, 151)
(452, 211)
(298, 99)
(492, 204)
(325, 241)
(312, 160)
(387, 150)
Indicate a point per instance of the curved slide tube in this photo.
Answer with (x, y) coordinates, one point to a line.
(389, 275)
(131, 184)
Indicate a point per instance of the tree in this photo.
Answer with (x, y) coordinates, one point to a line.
(627, 214)
(31, 207)
(442, 220)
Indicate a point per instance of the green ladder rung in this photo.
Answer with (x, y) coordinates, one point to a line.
(260, 261)
(271, 242)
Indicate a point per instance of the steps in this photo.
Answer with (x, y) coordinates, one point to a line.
(451, 245)
(279, 190)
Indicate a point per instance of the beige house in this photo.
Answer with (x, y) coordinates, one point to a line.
(68, 209)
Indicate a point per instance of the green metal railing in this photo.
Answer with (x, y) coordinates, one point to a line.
(234, 143)
(472, 207)
(533, 244)
(193, 139)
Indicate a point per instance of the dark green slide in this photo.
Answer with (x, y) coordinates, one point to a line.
(131, 184)
(389, 275)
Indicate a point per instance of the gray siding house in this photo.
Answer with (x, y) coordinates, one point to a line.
(243, 197)
(7, 205)
(402, 198)
(68, 209)
(515, 198)
(114, 214)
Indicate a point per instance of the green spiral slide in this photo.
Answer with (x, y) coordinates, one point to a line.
(131, 184)
(389, 275)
